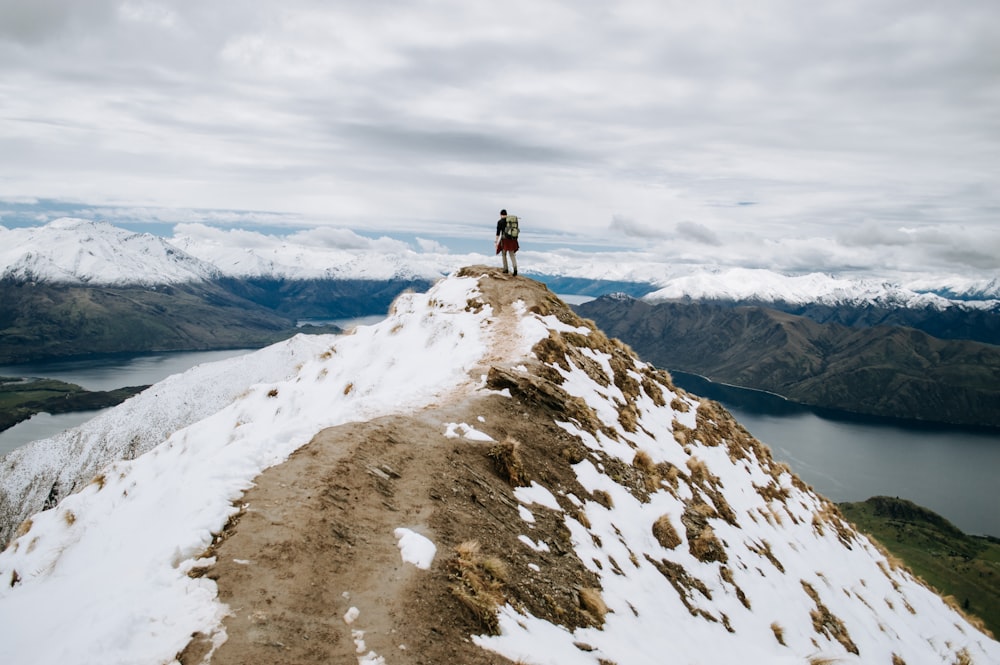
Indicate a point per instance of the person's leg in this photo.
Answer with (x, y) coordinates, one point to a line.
(513, 261)
(503, 253)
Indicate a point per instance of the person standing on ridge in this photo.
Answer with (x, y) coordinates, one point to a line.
(506, 240)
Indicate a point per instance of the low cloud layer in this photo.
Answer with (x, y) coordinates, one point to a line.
(864, 134)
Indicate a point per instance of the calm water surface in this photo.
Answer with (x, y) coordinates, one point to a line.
(106, 373)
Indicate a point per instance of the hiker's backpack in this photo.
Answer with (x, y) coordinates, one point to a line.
(511, 230)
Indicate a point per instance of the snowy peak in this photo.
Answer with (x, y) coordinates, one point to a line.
(483, 472)
(76, 251)
(765, 286)
(259, 256)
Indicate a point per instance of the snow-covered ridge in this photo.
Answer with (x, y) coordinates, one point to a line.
(281, 259)
(125, 542)
(84, 252)
(758, 285)
(76, 251)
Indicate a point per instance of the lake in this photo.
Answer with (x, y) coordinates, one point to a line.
(100, 373)
(951, 470)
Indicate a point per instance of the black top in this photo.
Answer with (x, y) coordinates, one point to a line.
(501, 225)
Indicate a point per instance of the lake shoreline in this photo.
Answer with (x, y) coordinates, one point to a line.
(765, 400)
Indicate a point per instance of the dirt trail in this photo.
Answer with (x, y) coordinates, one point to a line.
(316, 536)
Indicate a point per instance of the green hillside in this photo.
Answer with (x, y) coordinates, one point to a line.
(967, 568)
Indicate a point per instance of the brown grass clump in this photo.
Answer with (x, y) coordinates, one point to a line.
(677, 404)
(652, 388)
(69, 517)
(628, 417)
(99, 480)
(552, 351)
(827, 623)
(822, 660)
(650, 471)
(702, 541)
(273, 392)
(665, 533)
(603, 498)
(348, 388)
(897, 660)
(963, 658)
(592, 602)
(764, 549)
(779, 633)
(507, 461)
(727, 577)
(682, 434)
(479, 583)
(643, 462)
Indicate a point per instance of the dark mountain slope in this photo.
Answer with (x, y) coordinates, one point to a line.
(39, 321)
(881, 370)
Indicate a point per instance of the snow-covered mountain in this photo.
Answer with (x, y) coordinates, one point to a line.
(591, 513)
(76, 251)
(765, 286)
(79, 251)
(280, 259)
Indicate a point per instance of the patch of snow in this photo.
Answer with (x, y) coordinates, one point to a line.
(535, 493)
(456, 430)
(415, 548)
(540, 546)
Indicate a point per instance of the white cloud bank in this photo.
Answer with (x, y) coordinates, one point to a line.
(772, 134)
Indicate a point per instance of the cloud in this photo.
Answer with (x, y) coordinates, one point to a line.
(339, 238)
(698, 233)
(431, 246)
(38, 20)
(842, 123)
(630, 228)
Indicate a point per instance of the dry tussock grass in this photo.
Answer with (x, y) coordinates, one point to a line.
(779, 633)
(727, 577)
(763, 548)
(69, 517)
(552, 351)
(671, 474)
(702, 541)
(826, 623)
(652, 388)
(963, 658)
(603, 498)
(592, 602)
(897, 660)
(665, 533)
(650, 471)
(99, 480)
(508, 462)
(682, 433)
(478, 583)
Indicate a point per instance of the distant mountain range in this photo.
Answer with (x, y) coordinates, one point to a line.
(879, 370)
(75, 287)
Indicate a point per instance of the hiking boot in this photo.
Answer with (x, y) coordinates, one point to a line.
(515, 272)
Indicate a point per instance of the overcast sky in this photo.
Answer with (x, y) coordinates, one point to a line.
(837, 136)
